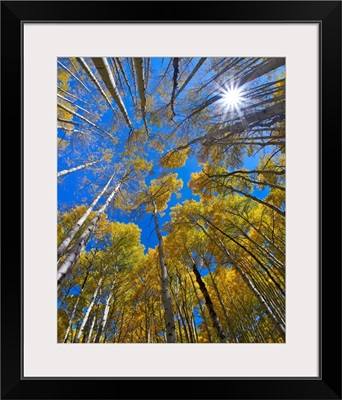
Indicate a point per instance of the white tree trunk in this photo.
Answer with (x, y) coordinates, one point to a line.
(64, 245)
(75, 306)
(91, 329)
(138, 66)
(278, 325)
(106, 313)
(71, 318)
(90, 307)
(73, 103)
(256, 73)
(261, 70)
(259, 116)
(166, 296)
(86, 68)
(81, 242)
(104, 69)
(69, 171)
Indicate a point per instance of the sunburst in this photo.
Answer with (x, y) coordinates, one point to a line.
(232, 97)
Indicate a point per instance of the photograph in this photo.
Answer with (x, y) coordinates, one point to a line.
(171, 200)
(179, 161)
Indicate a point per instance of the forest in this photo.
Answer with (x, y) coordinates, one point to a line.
(171, 200)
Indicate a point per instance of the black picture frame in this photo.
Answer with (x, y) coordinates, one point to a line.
(328, 384)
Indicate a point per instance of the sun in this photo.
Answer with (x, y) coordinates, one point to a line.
(231, 97)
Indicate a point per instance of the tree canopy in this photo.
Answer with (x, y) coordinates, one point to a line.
(171, 200)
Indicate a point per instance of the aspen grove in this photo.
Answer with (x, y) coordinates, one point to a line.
(171, 200)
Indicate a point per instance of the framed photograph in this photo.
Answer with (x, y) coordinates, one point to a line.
(176, 162)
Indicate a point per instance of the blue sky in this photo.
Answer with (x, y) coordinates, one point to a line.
(70, 194)
(81, 187)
